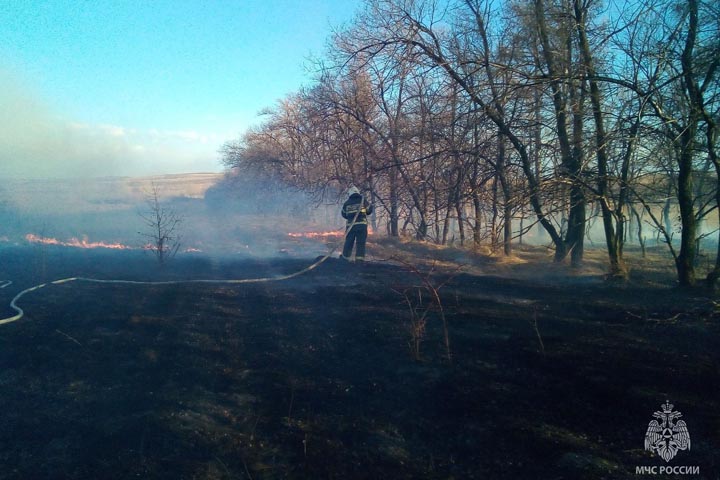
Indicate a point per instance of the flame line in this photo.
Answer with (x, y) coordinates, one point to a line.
(76, 242)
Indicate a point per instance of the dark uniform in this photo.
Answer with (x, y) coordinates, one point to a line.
(355, 210)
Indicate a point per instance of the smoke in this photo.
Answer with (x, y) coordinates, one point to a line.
(218, 218)
(85, 184)
(38, 142)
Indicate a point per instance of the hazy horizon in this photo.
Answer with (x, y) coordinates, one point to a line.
(88, 213)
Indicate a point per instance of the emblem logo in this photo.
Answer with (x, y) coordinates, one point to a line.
(669, 435)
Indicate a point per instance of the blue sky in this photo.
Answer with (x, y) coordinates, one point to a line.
(111, 87)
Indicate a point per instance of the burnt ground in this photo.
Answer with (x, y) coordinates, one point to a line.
(554, 374)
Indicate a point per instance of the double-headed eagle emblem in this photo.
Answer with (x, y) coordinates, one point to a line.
(668, 437)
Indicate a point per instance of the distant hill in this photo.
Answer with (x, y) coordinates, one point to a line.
(99, 194)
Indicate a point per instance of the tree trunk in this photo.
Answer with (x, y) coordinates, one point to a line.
(618, 269)
(507, 229)
(394, 202)
(446, 226)
(436, 227)
(421, 232)
(686, 257)
(501, 167)
(493, 223)
(638, 220)
(461, 227)
(560, 107)
(477, 228)
(576, 225)
(578, 204)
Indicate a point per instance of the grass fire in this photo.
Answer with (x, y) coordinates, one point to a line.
(315, 234)
(75, 242)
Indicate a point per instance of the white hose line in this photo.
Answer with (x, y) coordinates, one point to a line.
(20, 312)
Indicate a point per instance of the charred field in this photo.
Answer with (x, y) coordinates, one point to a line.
(553, 374)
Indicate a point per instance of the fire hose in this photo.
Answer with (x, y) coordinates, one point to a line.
(21, 313)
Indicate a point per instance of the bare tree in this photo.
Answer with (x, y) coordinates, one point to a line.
(162, 227)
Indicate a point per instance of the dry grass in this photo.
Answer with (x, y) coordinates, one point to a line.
(529, 261)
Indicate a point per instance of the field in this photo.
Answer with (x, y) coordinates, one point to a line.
(552, 373)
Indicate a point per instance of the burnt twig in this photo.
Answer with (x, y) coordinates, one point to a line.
(68, 337)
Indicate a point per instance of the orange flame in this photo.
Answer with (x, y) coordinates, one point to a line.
(75, 242)
(85, 243)
(330, 233)
(315, 234)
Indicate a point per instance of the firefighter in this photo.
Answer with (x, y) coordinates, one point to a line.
(355, 211)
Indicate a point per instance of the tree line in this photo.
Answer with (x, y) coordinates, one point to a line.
(477, 120)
